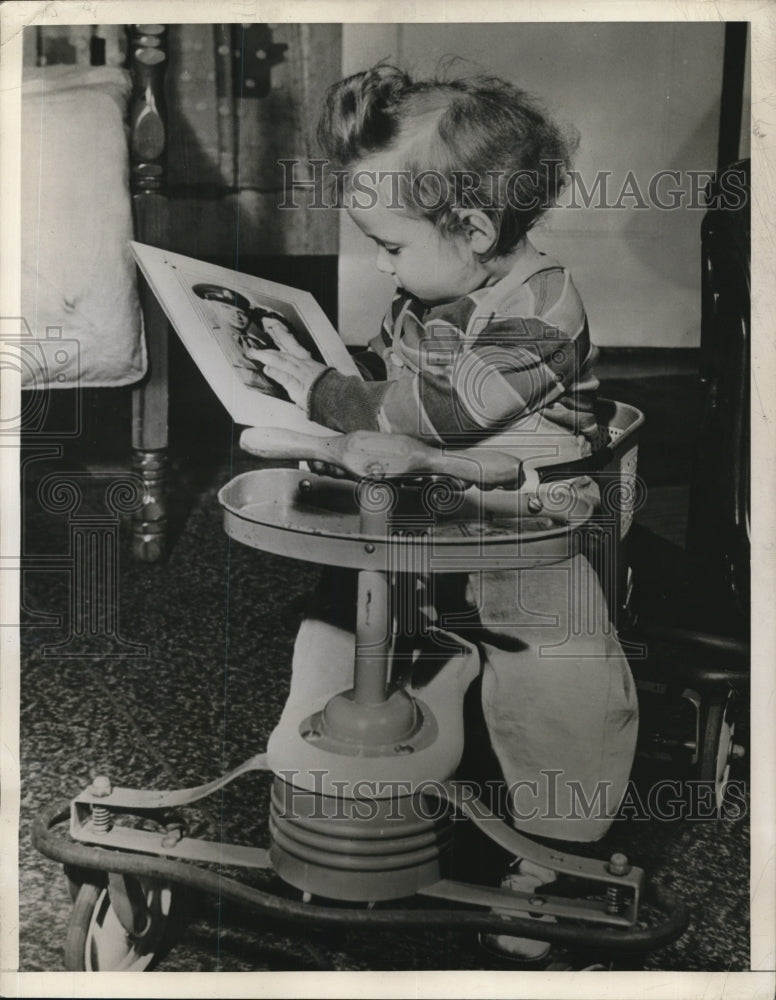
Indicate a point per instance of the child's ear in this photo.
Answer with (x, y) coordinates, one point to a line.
(479, 229)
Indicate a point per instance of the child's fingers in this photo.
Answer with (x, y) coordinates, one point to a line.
(288, 380)
(276, 365)
(274, 361)
(262, 354)
(269, 358)
(283, 361)
(285, 340)
(296, 375)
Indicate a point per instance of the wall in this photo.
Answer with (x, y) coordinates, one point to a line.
(644, 97)
(221, 142)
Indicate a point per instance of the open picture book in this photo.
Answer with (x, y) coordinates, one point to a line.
(219, 313)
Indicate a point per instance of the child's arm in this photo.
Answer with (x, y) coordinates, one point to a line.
(292, 366)
(515, 367)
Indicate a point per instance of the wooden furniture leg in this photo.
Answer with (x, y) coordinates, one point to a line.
(147, 57)
(149, 436)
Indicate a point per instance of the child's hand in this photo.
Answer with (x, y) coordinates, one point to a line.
(283, 337)
(296, 375)
(291, 366)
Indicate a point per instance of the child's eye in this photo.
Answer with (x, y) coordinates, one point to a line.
(393, 251)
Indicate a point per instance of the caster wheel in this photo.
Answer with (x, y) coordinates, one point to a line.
(76, 877)
(718, 748)
(97, 940)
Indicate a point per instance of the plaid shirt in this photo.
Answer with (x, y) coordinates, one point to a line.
(508, 364)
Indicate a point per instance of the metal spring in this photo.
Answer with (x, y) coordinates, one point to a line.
(101, 819)
(615, 899)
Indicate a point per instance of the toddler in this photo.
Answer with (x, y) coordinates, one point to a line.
(486, 343)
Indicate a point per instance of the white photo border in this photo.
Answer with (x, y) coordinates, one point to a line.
(760, 983)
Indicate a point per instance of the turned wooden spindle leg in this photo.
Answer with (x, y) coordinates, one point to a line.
(149, 523)
(147, 59)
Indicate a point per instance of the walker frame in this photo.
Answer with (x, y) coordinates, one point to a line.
(121, 876)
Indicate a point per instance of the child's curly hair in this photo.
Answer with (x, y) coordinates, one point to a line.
(476, 142)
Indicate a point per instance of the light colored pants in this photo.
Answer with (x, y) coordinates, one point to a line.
(558, 699)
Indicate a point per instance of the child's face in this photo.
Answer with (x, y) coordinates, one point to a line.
(431, 266)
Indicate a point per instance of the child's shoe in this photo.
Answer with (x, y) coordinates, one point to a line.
(525, 876)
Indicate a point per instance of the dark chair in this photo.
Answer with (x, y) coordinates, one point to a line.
(696, 668)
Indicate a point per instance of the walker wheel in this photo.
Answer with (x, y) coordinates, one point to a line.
(717, 747)
(97, 940)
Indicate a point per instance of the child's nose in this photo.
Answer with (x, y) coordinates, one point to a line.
(384, 262)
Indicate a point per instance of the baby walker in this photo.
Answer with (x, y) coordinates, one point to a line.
(406, 511)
